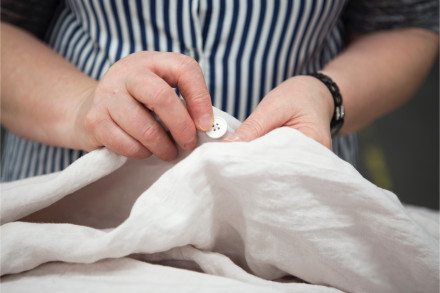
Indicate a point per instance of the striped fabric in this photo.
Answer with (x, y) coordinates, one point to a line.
(245, 49)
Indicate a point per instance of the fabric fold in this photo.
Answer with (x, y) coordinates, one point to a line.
(277, 206)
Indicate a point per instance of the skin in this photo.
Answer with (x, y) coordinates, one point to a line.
(62, 106)
(47, 99)
(374, 74)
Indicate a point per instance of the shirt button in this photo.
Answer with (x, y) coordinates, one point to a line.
(219, 128)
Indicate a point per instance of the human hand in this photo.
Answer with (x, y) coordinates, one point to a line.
(117, 111)
(301, 102)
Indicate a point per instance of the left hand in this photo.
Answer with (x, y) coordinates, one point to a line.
(301, 102)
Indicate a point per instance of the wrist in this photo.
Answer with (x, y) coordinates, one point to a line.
(320, 92)
(78, 136)
(338, 115)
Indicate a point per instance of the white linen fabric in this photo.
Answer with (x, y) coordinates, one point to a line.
(245, 213)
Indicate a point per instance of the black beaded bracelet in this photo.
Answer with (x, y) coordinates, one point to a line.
(338, 115)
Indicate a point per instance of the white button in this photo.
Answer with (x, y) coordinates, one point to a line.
(219, 128)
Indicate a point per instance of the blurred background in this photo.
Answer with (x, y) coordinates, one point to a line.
(400, 152)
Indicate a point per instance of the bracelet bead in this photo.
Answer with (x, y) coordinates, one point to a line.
(339, 113)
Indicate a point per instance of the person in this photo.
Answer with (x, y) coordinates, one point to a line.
(111, 66)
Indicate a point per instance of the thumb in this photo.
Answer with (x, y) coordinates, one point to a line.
(248, 131)
(260, 122)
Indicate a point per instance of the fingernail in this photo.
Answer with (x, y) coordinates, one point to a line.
(205, 122)
(233, 138)
(191, 144)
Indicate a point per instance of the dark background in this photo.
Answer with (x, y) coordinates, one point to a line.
(400, 152)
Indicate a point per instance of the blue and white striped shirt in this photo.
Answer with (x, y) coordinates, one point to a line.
(245, 49)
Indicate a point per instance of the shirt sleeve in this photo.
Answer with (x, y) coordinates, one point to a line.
(33, 16)
(375, 15)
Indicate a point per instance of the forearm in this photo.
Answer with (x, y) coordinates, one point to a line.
(40, 90)
(378, 72)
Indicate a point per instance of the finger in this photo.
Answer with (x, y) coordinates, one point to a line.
(115, 139)
(136, 120)
(158, 96)
(267, 116)
(185, 73)
(270, 114)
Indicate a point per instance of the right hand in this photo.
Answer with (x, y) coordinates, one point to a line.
(117, 112)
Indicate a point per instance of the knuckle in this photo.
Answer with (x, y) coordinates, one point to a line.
(162, 95)
(92, 121)
(255, 127)
(200, 99)
(151, 134)
(188, 64)
(127, 147)
(135, 150)
(133, 58)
